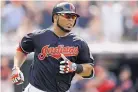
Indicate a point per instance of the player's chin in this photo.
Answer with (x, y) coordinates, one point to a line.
(69, 28)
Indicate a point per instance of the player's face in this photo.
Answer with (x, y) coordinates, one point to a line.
(67, 20)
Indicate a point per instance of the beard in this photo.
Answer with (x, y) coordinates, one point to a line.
(63, 29)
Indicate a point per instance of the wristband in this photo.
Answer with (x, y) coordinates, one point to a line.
(79, 68)
(15, 67)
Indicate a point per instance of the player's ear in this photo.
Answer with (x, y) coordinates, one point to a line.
(55, 18)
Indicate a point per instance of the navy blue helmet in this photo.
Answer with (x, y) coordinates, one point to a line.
(64, 7)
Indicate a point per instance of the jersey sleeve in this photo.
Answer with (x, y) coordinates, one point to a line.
(26, 44)
(84, 56)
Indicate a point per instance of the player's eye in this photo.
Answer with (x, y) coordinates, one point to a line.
(69, 16)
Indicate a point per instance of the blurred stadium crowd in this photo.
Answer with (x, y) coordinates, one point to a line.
(100, 21)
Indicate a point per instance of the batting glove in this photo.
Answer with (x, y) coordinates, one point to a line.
(66, 66)
(17, 76)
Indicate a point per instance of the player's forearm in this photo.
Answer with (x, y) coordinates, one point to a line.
(88, 70)
(19, 59)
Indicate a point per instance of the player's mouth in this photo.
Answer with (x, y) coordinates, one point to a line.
(69, 25)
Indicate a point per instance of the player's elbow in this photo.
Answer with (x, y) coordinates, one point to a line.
(88, 71)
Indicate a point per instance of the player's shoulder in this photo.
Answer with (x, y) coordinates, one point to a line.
(76, 37)
(39, 32)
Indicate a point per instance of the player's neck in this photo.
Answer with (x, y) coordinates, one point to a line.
(59, 32)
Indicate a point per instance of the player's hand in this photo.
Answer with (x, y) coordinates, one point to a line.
(66, 66)
(17, 76)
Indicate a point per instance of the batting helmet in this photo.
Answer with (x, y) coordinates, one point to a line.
(64, 7)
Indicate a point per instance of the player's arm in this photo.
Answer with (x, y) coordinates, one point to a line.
(19, 58)
(83, 66)
(85, 61)
(26, 46)
(87, 71)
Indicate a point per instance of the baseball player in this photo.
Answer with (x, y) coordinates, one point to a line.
(58, 54)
